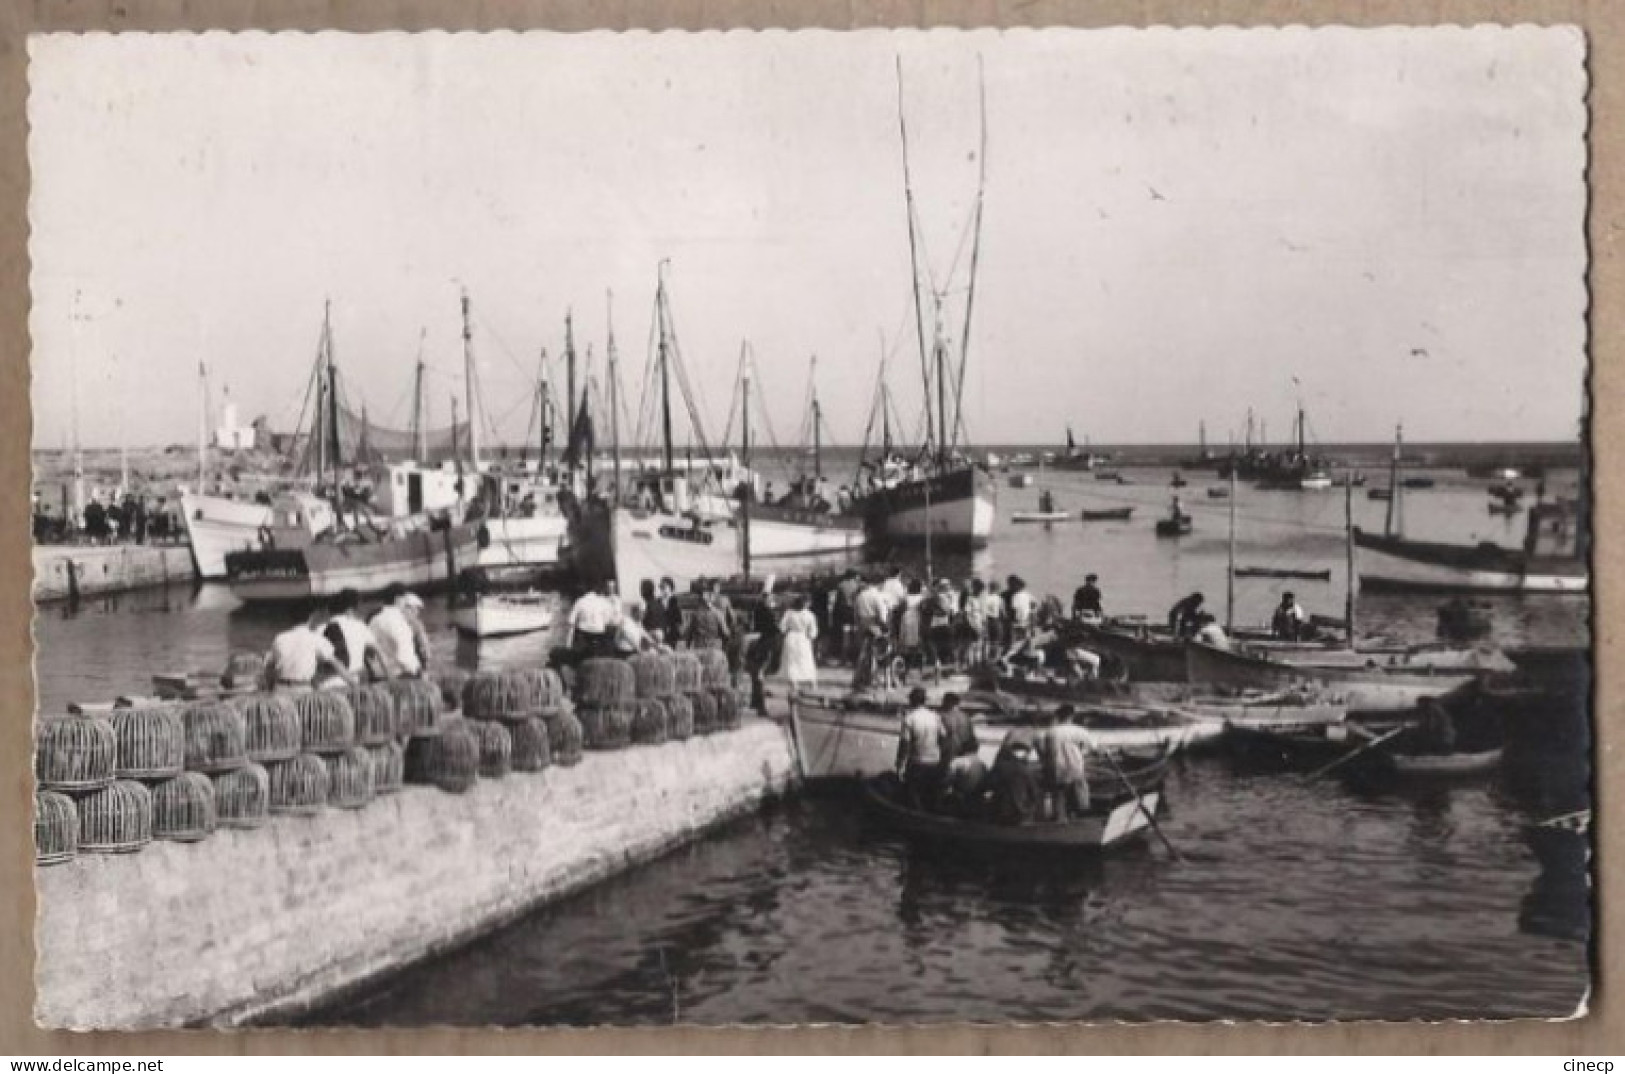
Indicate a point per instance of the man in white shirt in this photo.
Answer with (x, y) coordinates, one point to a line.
(919, 751)
(1023, 609)
(593, 620)
(396, 631)
(1211, 633)
(298, 655)
(894, 590)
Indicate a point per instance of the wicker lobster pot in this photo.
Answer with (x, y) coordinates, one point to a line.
(713, 668)
(299, 785)
(183, 808)
(242, 798)
(502, 695)
(705, 712)
(496, 748)
(418, 708)
(216, 736)
(653, 675)
(451, 684)
(388, 767)
(56, 828)
(604, 680)
(686, 672)
(116, 819)
(650, 723)
(729, 714)
(679, 718)
(270, 727)
(449, 760)
(75, 753)
(531, 749)
(606, 727)
(349, 778)
(374, 708)
(151, 742)
(565, 736)
(326, 721)
(243, 670)
(554, 692)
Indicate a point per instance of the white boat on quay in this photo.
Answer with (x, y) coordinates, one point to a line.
(498, 615)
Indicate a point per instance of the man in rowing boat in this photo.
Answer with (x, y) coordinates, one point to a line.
(1184, 617)
(919, 751)
(1087, 601)
(1015, 783)
(1063, 748)
(1290, 622)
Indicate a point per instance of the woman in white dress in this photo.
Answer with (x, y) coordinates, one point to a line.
(800, 630)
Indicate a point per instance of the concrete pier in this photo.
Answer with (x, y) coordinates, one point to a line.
(252, 925)
(67, 572)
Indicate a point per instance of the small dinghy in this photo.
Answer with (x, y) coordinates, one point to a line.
(1218, 492)
(497, 615)
(1039, 516)
(1284, 572)
(1108, 514)
(1174, 526)
(1442, 765)
(1103, 827)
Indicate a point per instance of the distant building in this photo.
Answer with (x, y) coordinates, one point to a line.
(231, 436)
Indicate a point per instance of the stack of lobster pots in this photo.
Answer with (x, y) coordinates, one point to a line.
(652, 698)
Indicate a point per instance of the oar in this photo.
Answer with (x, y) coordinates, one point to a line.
(1379, 740)
(1140, 802)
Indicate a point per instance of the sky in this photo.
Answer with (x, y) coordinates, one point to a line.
(1384, 225)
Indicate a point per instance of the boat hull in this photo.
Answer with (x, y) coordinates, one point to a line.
(956, 509)
(1362, 689)
(781, 533)
(837, 742)
(1118, 824)
(216, 525)
(1395, 564)
(417, 560)
(522, 542)
(497, 617)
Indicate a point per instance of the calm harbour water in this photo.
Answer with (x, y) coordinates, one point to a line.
(1333, 900)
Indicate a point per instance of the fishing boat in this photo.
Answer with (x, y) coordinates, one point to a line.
(1418, 482)
(315, 547)
(1284, 572)
(1218, 492)
(1292, 469)
(844, 736)
(496, 615)
(1370, 686)
(1107, 514)
(216, 525)
(1076, 458)
(942, 497)
(1551, 560)
(1105, 826)
(1315, 481)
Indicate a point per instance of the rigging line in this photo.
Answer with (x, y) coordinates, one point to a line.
(502, 344)
(914, 240)
(976, 252)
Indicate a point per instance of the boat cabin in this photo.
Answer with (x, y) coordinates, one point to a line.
(409, 488)
(298, 519)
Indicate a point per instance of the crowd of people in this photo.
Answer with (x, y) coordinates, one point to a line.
(130, 519)
(1040, 771)
(336, 647)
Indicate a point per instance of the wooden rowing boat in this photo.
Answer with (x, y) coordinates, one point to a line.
(496, 615)
(1284, 572)
(1370, 686)
(1441, 765)
(1174, 526)
(1093, 832)
(1040, 516)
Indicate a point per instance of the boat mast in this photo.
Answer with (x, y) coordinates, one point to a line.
(817, 423)
(1348, 541)
(975, 253)
(914, 257)
(942, 394)
(663, 354)
(456, 446)
(418, 451)
(469, 391)
(541, 412)
(614, 395)
(744, 444)
(569, 378)
(334, 460)
(1230, 570)
(1249, 444)
(1395, 521)
(202, 430)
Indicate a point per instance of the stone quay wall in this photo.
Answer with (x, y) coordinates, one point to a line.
(252, 925)
(64, 572)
